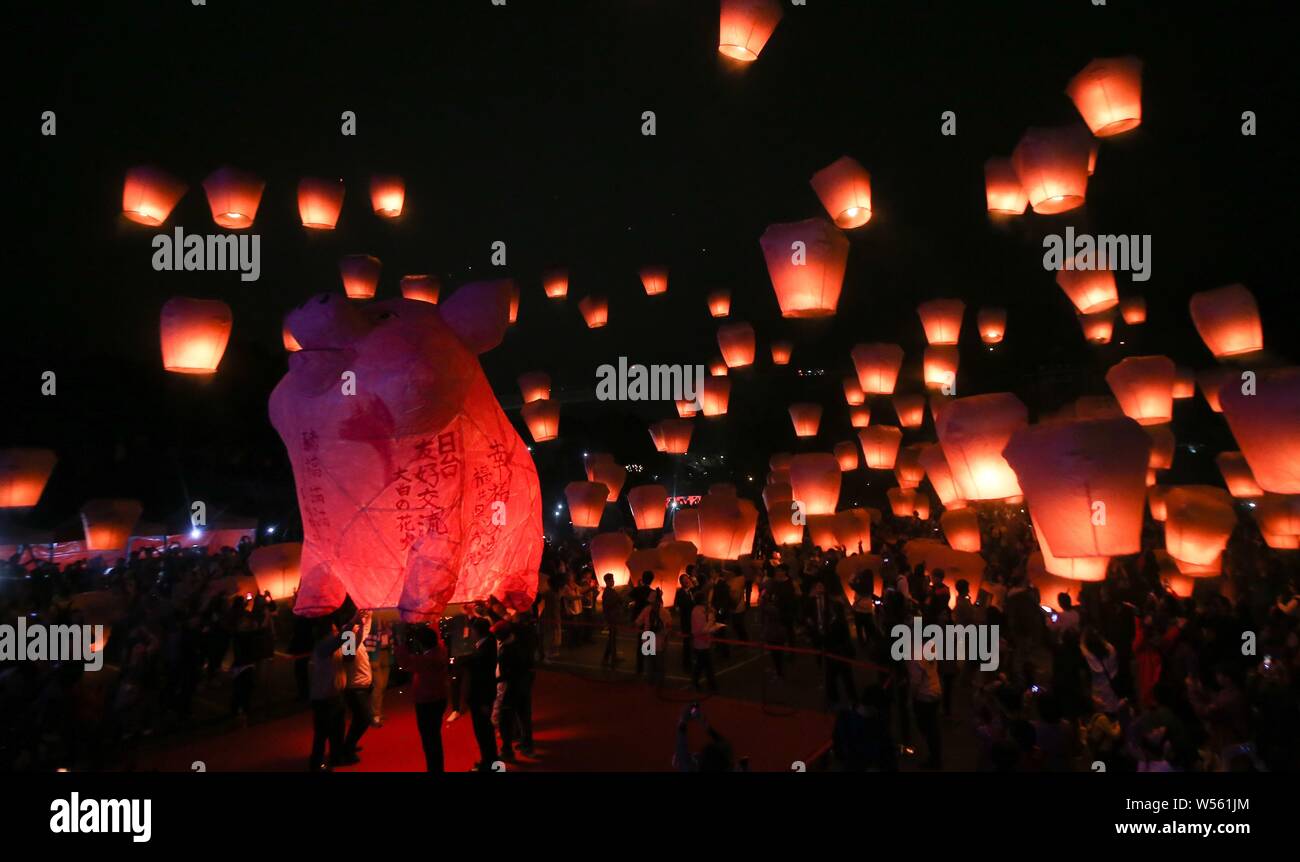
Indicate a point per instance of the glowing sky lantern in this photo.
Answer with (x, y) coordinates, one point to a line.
(781, 351)
(992, 324)
(194, 333)
(880, 446)
(844, 187)
(806, 418)
(941, 319)
(718, 367)
(360, 274)
(910, 410)
(1133, 309)
(1052, 164)
(686, 526)
(319, 202)
(609, 556)
(1211, 381)
(877, 365)
(543, 419)
(939, 367)
(973, 432)
(555, 282)
(1184, 383)
(233, 196)
(902, 501)
(1228, 320)
(736, 341)
(815, 480)
(853, 394)
(387, 195)
(780, 460)
(727, 526)
(648, 504)
(821, 531)
(715, 393)
(859, 417)
(535, 386)
(1265, 420)
(421, 288)
(1198, 521)
(1156, 501)
(1092, 157)
(1108, 93)
(779, 497)
(745, 26)
(654, 279)
(1050, 586)
(586, 503)
(277, 568)
(940, 476)
(1144, 387)
(1162, 447)
(23, 476)
(1071, 568)
(108, 523)
(806, 261)
(656, 436)
(962, 530)
(149, 195)
(846, 453)
(514, 299)
(686, 408)
(595, 311)
(720, 302)
(852, 530)
(286, 337)
(1237, 476)
(1091, 290)
(1098, 328)
(1278, 517)
(1085, 483)
(907, 466)
(1002, 189)
(676, 435)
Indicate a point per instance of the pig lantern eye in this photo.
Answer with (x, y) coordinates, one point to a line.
(385, 315)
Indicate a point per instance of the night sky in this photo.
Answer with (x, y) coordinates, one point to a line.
(523, 124)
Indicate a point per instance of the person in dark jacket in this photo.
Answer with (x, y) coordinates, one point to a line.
(611, 609)
(481, 690)
(419, 652)
(513, 667)
(685, 604)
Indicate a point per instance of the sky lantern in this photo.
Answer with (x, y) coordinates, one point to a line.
(555, 282)
(902, 501)
(852, 529)
(609, 473)
(654, 279)
(233, 196)
(1278, 517)
(806, 417)
(910, 410)
(880, 446)
(387, 195)
(1071, 568)
(961, 527)
(941, 319)
(676, 435)
(720, 302)
(514, 300)
(360, 273)
(806, 261)
(1093, 148)
(1091, 290)
(535, 386)
(1184, 383)
(853, 394)
(745, 26)
(609, 555)
(1108, 93)
(907, 466)
(821, 531)
(686, 408)
(1162, 447)
(1144, 388)
(1002, 189)
(780, 461)
(595, 310)
(319, 202)
(23, 476)
(1098, 328)
(877, 365)
(648, 504)
(718, 367)
(715, 392)
(291, 344)
(586, 502)
(844, 187)
(1052, 164)
(1156, 501)
(940, 476)
(973, 431)
(686, 526)
(1133, 309)
(150, 194)
(1049, 586)
(847, 454)
(665, 573)
(781, 351)
(656, 436)
(778, 497)
(859, 417)
(1237, 476)
(1265, 420)
(108, 523)
(421, 288)
(1198, 521)
(1085, 483)
(1211, 381)
(777, 492)
(992, 324)
(939, 366)
(276, 569)
(543, 419)
(736, 341)
(1228, 320)
(727, 526)
(815, 480)
(194, 333)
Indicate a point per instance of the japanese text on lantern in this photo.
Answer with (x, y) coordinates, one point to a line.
(313, 497)
(421, 507)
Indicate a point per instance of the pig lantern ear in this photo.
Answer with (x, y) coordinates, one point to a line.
(479, 313)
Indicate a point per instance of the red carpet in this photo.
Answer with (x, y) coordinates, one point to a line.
(580, 725)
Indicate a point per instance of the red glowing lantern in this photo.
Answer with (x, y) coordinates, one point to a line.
(1278, 516)
(1184, 383)
(1162, 447)
(1156, 501)
(607, 472)
(319, 202)
(902, 501)
(745, 26)
(736, 341)
(149, 195)
(781, 351)
(609, 556)
(1228, 320)
(1211, 382)
(360, 273)
(910, 410)
(290, 343)
(1144, 388)
(859, 417)
(806, 417)
(939, 367)
(686, 408)
(387, 195)
(940, 475)
(1108, 93)
(676, 435)
(535, 386)
(877, 366)
(1133, 309)
(514, 300)
(815, 482)
(907, 466)
(276, 568)
(1070, 568)
(108, 523)
(720, 302)
(962, 530)
(922, 505)
(853, 393)
(1002, 189)
(23, 476)
(806, 261)
(780, 461)
(880, 446)
(844, 187)
(654, 279)
(595, 310)
(715, 393)
(941, 319)
(586, 502)
(718, 367)
(1265, 420)
(1198, 521)
(973, 432)
(1098, 328)
(648, 504)
(1052, 165)
(421, 288)
(194, 333)
(1091, 290)
(778, 497)
(992, 324)
(233, 197)
(1237, 476)
(727, 526)
(686, 526)
(543, 419)
(846, 454)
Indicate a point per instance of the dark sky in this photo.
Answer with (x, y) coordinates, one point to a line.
(523, 124)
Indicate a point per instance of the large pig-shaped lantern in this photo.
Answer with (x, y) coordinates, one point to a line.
(415, 490)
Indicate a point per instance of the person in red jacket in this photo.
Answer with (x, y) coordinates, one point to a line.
(419, 651)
